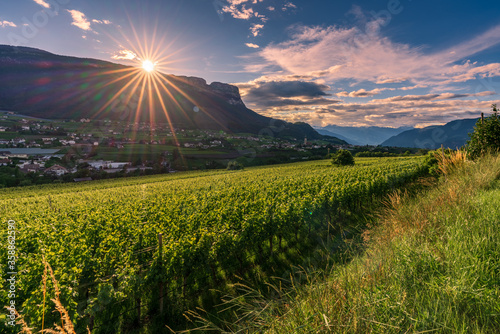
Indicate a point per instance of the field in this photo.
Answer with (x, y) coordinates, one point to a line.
(430, 264)
(141, 250)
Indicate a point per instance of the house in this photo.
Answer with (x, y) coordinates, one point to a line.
(118, 165)
(31, 168)
(4, 162)
(56, 170)
(3, 129)
(97, 164)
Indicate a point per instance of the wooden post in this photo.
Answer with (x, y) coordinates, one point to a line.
(482, 131)
(160, 252)
(443, 161)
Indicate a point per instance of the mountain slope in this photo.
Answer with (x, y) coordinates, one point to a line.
(331, 134)
(41, 84)
(372, 135)
(450, 135)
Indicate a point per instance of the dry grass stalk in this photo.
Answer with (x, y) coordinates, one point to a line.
(66, 320)
(446, 164)
(67, 324)
(20, 321)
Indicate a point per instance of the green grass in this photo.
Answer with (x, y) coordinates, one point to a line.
(431, 264)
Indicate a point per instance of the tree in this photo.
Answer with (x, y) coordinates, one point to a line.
(486, 135)
(234, 165)
(342, 158)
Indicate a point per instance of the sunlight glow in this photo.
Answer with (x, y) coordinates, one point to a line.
(148, 66)
(144, 85)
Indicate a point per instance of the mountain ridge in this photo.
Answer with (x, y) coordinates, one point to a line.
(41, 84)
(452, 135)
(372, 135)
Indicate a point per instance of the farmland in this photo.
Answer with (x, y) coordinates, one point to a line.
(115, 270)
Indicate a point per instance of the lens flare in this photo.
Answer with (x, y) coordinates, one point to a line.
(148, 66)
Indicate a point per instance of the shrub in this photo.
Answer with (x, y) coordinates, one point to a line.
(342, 158)
(234, 165)
(486, 135)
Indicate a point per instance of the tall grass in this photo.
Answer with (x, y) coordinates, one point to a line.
(432, 265)
(67, 326)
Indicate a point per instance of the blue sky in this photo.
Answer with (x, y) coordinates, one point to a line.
(385, 63)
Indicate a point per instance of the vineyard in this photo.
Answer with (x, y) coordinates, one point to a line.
(135, 251)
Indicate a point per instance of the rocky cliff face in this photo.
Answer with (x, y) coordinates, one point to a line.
(230, 93)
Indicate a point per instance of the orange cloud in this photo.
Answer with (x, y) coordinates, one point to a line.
(42, 3)
(79, 20)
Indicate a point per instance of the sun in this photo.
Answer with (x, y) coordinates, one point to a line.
(148, 66)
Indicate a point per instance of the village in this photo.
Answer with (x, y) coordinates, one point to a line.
(84, 150)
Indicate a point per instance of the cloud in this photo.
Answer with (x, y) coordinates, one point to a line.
(243, 10)
(265, 94)
(251, 45)
(285, 89)
(288, 6)
(101, 21)
(125, 55)
(283, 102)
(356, 56)
(42, 3)
(365, 55)
(80, 20)
(312, 58)
(430, 97)
(363, 92)
(255, 29)
(4, 24)
(381, 112)
(239, 11)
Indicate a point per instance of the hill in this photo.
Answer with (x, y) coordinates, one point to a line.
(451, 135)
(41, 84)
(371, 135)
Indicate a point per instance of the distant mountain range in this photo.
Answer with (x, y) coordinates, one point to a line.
(41, 84)
(451, 135)
(361, 135)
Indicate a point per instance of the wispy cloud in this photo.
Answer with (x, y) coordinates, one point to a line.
(354, 54)
(347, 57)
(382, 112)
(5, 24)
(288, 6)
(364, 93)
(255, 29)
(101, 21)
(42, 3)
(80, 20)
(125, 55)
(252, 45)
(238, 9)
